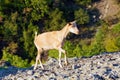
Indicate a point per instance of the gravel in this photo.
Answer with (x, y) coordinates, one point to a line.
(105, 66)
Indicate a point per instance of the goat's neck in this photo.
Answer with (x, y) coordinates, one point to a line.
(64, 32)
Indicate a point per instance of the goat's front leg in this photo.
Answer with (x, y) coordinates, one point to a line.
(66, 62)
(65, 57)
(60, 59)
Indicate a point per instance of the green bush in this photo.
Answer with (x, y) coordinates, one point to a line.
(14, 59)
(53, 53)
(110, 45)
(69, 47)
(81, 16)
(55, 21)
(83, 2)
(78, 52)
(112, 39)
(118, 42)
(116, 28)
(28, 40)
(39, 8)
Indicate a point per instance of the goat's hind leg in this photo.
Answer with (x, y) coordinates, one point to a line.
(36, 63)
(38, 58)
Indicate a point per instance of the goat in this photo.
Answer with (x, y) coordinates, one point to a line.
(53, 40)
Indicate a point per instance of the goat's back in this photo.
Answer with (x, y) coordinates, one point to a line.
(48, 40)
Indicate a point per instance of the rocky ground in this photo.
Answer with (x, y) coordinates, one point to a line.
(100, 67)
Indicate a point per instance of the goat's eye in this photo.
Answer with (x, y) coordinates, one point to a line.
(70, 23)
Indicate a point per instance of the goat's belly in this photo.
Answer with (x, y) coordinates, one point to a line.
(47, 47)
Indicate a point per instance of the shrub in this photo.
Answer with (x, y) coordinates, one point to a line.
(12, 47)
(55, 21)
(81, 16)
(118, 42)
(83, 2)
(78, 52)
(69, 47)
(112, 38)
(28, 40)
(116, 28)
(14, 59)
(110, 45)
(53, 53)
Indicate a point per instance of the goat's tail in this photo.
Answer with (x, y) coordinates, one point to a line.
(35, 34)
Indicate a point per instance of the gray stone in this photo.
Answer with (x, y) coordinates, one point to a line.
(20, 78)
(75, 66)
(74, 77)
(113, 75)
(30, 72)
(115, 64)
(36, 74)
(98, 77)
(52, 78)
(51, 60)
(99, 67)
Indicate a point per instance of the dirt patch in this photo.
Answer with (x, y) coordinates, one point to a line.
(107, 8)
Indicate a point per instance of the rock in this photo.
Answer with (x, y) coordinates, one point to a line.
(75, 66)
(51, 60)
(108, 70)
(115, 64)
(52, 78)
(74, 77)
(113, 75)
(4, 63)
(30, 72)
(98, 77)
(19, 78)
(99, 67)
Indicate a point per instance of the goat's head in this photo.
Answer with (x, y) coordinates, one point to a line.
(73, 27)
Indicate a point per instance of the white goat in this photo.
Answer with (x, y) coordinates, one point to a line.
(53, 40)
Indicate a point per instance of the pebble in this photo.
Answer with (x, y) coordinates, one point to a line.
(30, 72)
(105, 66)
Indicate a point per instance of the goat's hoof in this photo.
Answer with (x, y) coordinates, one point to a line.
(60, 66)
(34, 68)
(42, 67)
(66, 63)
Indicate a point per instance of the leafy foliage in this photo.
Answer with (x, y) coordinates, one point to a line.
(112, 39)
(14, 59)
(110, 45)
(81, 16)
(83, 2)
(55, 21)
(37, 7)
